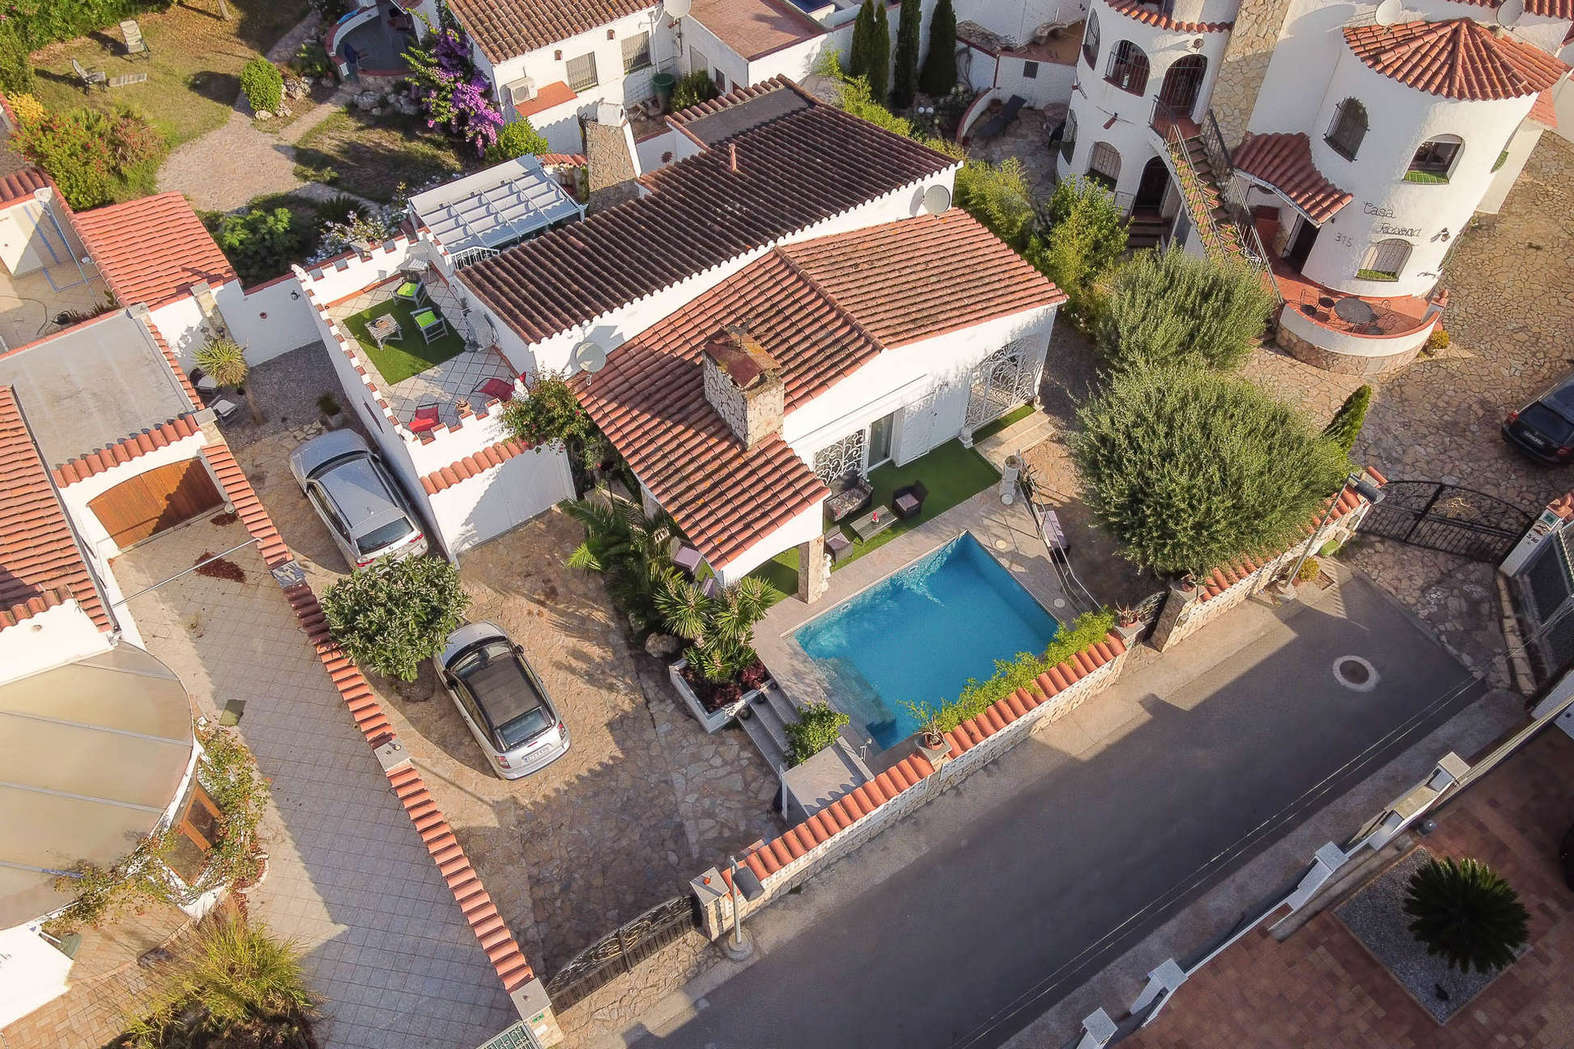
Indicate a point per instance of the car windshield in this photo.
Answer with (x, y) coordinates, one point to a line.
(495, 678)
(1547, 422)
(378, 538)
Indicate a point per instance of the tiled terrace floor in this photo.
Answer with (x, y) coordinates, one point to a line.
(349, 878)
(448, 383)
(30, 303)
(1321, 990)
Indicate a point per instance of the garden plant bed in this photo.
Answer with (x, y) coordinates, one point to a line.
(411, 354)
(375, 156)
(193, 69)
(1375, 917)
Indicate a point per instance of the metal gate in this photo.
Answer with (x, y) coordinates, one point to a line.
(622, 949)
(1006, 378)
(1447, 517)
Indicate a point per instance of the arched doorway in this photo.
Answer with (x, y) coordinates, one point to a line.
(1183, 83)
(1150, 190)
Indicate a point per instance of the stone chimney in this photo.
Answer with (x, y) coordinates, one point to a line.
(611, 159)
(744, 384)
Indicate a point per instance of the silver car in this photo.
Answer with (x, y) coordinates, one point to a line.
(356, 498)
(502, 700)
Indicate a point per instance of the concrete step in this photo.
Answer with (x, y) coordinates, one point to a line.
(764, 726)
(786, 710)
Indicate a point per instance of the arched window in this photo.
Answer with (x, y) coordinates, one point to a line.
(1068, 137)
(1348, 128)
(1435, 159)
(1090, 41)
(1128, 68)
(1385, 260)
(1183, 83)
(1104, 165)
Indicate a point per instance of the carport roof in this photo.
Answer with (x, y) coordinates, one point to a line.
(91, 385)
(494, 208)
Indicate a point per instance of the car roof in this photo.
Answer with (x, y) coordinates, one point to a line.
(360, 494)
(326, 447)
(1561, 398)
(501, 686)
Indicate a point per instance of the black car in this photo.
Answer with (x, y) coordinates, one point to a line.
(1544, 428)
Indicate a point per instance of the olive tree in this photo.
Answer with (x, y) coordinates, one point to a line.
(395, 613)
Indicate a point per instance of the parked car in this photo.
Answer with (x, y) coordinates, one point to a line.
(1544, 428)
(357, 499)
(502, 700)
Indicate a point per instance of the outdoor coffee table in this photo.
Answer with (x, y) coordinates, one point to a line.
(383, 328)
(873, 523)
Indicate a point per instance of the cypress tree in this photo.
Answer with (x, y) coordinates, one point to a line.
(863, 35)
(939, 73)
(879, 72)
(1346, 424)
(905, 82)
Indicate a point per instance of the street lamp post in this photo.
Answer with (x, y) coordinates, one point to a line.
(1364, 488)
(739, 943)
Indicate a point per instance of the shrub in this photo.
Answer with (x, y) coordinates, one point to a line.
(262, 84)
(1174, 308)
(456, 95)
(1346, 424)
(939, 73)
(260, 243)
(692, 89)
(1465, 913)
(1086, 235)
(517, 139)
(28, 110)
(394, 614)
(1022, 671)
(1438, 340)
(1308, 570)
(549, 414)
(904, 83)
(327, 174)
(312, 61)
(998, 196)
(95, 157)
(1189, 469)
(816, 728)
(363, 224)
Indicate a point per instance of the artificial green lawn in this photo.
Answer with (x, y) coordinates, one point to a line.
(1015, 415)
(412, 355)
(952, 474)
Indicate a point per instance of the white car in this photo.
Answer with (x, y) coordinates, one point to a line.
(356, 498)
(502, 700)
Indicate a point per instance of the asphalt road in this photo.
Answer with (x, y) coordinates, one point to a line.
(1012, 906)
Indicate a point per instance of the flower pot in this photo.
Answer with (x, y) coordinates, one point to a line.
(935, 749)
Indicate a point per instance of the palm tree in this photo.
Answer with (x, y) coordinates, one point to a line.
(1463, 911)
(630, 548)
(225, 361)
(721, 627)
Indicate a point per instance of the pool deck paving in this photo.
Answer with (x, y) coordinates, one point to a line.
(1011, 891)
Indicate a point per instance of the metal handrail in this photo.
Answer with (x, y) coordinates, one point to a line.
(1186, 168)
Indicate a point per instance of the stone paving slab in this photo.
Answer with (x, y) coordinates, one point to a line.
(348, 877)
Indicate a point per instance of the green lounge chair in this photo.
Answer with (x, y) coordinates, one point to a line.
(431, 324)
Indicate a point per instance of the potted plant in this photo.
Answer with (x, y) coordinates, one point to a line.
(931, 740)
(719, 668)
(330, 408)
(225, 361)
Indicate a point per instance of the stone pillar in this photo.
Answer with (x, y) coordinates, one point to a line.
(211, 317)
(814, 570)
(1177, 606)
(1257, 27)
(535, 1008)
(710, 890)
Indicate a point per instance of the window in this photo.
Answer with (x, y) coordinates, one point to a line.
(721, 82)
(636, 52)
(1090, 41)
(1435, 159)
(1030, 70)
(582, 73)
(1128, 68)
(1348, 128)
(1068, 141)
(194, 835)
(1104, 165)
(1385, 260)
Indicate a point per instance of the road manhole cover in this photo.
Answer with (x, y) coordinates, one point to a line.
(1355, 673)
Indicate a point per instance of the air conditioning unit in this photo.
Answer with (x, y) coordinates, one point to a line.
(521, 90)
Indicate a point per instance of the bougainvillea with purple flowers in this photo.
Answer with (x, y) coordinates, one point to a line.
(456, 96)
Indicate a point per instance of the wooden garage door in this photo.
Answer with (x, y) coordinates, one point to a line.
(151, 502)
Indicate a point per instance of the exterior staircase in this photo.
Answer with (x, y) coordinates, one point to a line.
(1145, 230)
(765, 719)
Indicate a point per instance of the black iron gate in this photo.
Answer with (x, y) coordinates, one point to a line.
(622, 949)
(1447, 517)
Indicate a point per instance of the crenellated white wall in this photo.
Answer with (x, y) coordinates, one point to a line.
(1427, 216)
(495, 500)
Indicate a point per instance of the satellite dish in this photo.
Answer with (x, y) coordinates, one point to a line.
(676, 8)
(937, 200)
(589, 357)
(1389, 12)
(1510, 12)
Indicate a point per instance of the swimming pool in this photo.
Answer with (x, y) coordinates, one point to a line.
(920, 634)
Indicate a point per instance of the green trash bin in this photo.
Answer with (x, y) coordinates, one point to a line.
(663, 83)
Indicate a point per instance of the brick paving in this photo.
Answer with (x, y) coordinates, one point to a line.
(1320, 988)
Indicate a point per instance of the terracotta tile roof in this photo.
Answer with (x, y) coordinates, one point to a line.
(506, 28)
(18, 187)
(917, 278)
(1563, 506)
(732, 99)
(803, 168)
(820, 309)
(567, 160)
(547, 97)
(756, 28)
(472, 466)
(1147, 16)
(1546, 8)
(404, 779)
(153, 249)
(1545, 111)
(1284, 161)
(125, 450)
(849, 808)
(1459, 58)
(41, 563)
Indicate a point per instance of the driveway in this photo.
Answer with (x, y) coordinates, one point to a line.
(968, 919)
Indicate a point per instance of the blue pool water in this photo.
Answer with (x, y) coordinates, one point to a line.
(920, 634)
